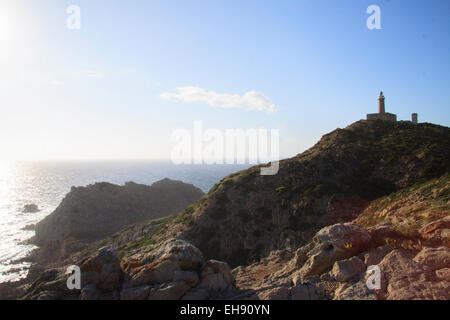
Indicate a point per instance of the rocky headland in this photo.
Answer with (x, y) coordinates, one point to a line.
(373, 194)
(98, 210)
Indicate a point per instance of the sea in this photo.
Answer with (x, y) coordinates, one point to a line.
(45, 183)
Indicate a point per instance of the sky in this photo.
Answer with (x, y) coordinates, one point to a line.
(136, 71)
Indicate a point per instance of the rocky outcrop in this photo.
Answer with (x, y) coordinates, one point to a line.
(30, 208)
(317, 271)
(348, 269)
(96, 211)
(246, 215)
(407, 275)
(174, 270)
(331, 244)
(313, 231)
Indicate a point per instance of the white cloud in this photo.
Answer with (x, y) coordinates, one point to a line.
(251, 100)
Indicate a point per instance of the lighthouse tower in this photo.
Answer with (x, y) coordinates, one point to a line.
(382, 114)
(381, 108)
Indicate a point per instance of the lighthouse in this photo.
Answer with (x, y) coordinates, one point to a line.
(381, 108)
(382, 114)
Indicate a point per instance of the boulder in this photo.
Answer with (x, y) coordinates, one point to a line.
(162, 265)
(437, 233)
(433, 258)
(190, 277)
(357, 291)
(169, 291)
(306, 291)
(443, 274)
(160, 271)
(214, 266)
(30, 208)
(331, 244)
(375, 255)
(214, 283)
(173, 270)
(409, 276)
(196, 294)
(348, 269)
(277, 293)
(216, 276)
(102, 269)
(90, 292)
(137, 293)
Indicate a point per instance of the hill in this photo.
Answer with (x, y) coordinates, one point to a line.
(246, 215)
(374, 193)
(96, 211)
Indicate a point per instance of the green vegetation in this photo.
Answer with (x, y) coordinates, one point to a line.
(148, 238)
(280, 189)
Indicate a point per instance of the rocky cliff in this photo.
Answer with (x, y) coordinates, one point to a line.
(247, 215)
(406, 235)
(373, 194)
(96, 211)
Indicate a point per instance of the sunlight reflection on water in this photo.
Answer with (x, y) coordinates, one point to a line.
(46, 183)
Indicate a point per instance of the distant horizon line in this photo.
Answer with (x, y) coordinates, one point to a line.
(120, 159)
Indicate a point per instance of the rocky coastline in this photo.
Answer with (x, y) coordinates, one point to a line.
(373, 197)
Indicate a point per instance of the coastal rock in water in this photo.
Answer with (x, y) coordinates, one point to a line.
(30, 208)
(96, 211)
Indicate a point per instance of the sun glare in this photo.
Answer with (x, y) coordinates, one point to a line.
(13, 37)
(6, 25)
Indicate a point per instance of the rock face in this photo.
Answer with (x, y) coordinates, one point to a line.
(410, 276)
(174, 270)
(295, 228)
(93, 212)
(405, 274)
(348, 269)
(332, 244)
(102, 271)
(246, 215)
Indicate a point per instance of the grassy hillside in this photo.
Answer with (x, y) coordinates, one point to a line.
(246, 215)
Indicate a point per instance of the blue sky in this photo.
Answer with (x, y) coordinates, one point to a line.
(95, 93)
